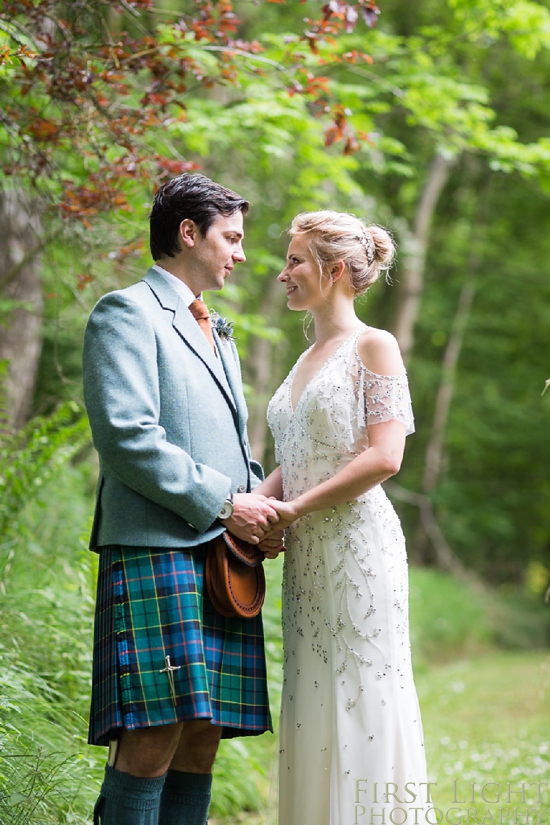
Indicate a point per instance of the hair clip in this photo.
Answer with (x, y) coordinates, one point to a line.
(368, 243)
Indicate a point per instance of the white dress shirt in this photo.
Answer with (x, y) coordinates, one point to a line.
(185, 292)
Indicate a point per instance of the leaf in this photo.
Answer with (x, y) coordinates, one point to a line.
(370, 16)
(5, 56)
(176, 167)
(16, 798)
(351, 19)
(351, 145)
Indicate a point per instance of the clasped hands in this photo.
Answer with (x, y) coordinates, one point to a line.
(261, 520)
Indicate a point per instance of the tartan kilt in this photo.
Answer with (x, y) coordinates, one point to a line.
(151, 605)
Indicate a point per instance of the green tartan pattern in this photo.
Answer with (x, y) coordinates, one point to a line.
(151, 606)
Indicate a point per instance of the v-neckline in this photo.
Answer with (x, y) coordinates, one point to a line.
(292, 375)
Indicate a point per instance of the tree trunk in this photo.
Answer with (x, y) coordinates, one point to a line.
(434, 450)
(415, 246)
(445, 392)
(20, 325)
(265, 374)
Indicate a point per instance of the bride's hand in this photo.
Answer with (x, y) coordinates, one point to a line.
(272, 546)
(288, 513)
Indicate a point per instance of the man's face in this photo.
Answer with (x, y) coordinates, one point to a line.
(214, 255)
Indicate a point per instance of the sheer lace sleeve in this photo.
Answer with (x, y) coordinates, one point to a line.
(384, 398)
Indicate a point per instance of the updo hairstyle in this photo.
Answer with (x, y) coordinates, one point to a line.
(340, 236)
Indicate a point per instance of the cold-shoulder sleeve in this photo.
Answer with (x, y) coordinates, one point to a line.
(384, 398)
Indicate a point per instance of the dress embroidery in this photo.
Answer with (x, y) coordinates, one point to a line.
(349, 707)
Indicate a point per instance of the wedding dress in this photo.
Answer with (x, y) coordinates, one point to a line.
(350, 729)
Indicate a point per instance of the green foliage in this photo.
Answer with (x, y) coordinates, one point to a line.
(44, 619)
(458, 77)
(451, 619)
(30, 457)
(47, 773)
(46, 608)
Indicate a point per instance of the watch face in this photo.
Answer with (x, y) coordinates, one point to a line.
(227, 510)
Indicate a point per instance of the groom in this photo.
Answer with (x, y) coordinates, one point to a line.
(165, 402)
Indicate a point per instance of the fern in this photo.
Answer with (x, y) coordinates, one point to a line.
(30, 457)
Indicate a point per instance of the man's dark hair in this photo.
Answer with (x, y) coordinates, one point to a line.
(192, 197)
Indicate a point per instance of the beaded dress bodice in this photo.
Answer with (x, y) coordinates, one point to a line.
(345, 600)
(329, 425)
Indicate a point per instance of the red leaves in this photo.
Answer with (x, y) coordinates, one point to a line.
(41, 129)
(354, 56)
(370, 15)
(83, 202)
(340, 130)
(78, 86)
(338, 14)
(83, 279)
(311, 85)
(104, 190)
(339, 127)
(350, 18)
(175, 167)
(215, 21)
(23, 52)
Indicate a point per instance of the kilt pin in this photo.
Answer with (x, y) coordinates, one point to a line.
(169, 423)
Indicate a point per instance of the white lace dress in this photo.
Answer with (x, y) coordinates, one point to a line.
(350, 722)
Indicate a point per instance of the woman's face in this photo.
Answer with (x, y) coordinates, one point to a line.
(305, 286)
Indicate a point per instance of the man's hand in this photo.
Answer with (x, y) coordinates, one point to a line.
(252, 517)
(272, 546)
(287, 512)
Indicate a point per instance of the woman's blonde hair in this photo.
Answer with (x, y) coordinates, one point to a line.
(340, 236)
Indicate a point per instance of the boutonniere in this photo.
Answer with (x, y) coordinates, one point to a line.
(223, 327)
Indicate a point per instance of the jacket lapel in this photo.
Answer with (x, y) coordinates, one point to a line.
(190, 332)
(233, 378)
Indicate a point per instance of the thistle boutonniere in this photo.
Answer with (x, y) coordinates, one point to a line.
(223, 327)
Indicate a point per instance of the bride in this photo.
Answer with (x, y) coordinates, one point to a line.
(351, 749)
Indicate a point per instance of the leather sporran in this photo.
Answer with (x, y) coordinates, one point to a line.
(234, 576)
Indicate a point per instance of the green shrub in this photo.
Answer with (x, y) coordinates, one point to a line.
(452, 619)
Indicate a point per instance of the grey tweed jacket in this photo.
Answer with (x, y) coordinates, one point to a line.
(168, 420)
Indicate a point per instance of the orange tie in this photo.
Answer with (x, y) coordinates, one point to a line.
(199, 311)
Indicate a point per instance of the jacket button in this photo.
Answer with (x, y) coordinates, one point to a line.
(242, 489)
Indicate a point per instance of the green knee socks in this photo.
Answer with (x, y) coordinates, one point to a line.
(128, 800)
(185, 798)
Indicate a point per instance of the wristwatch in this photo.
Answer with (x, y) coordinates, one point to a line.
(227, 509)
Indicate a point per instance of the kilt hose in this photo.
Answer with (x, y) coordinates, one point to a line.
(162, 654)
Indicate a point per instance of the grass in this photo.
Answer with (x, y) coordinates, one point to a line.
(486, 721)
(485, 711)
(486, 727)
(485, 702)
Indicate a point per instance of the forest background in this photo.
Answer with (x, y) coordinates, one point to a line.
(430, 118)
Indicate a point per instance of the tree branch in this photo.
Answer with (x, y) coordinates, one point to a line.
(446, 558)
(413, 276)
(12, 273)
(446, 387)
